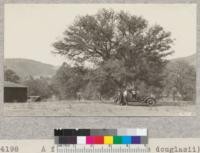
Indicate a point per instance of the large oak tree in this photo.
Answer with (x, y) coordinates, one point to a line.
(108, 39)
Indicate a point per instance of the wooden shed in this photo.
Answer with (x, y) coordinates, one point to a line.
(14, 92)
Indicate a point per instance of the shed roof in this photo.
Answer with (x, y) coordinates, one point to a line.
(11, 84)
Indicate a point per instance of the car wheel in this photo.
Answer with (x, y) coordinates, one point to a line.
(151, 101)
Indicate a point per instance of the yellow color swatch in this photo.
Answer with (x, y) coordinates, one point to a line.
(108, 139)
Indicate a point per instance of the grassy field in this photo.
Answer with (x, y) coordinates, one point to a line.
(97, 108)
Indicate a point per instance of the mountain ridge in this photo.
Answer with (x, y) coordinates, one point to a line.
(191, 59)
(27, 67)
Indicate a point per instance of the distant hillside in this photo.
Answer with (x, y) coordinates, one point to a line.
(188, 59)
(27, 67)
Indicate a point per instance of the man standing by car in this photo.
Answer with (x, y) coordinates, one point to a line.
(130, 90)
(134, 93)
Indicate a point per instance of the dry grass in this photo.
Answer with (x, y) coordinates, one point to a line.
(97, 108)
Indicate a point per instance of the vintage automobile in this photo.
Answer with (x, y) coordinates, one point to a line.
(123, 99)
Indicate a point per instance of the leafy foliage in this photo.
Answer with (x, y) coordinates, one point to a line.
(107, 37)
(181, 78)
(39, 87)
(10, 75)
(69, 80)
(124, 49)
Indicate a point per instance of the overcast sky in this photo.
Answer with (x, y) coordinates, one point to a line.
(30, 29)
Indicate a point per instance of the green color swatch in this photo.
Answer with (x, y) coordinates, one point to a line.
(117, 140)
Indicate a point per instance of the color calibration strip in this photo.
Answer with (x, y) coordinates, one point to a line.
(100, 136)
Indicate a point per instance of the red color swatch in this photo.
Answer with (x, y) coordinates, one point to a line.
(98, 140)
